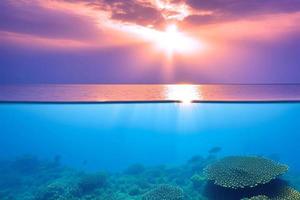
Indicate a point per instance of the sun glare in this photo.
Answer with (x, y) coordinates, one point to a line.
(186, 94)
(171, 41)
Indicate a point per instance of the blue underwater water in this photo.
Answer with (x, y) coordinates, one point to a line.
(111, 137)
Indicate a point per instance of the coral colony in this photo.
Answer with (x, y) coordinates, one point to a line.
(200, 178)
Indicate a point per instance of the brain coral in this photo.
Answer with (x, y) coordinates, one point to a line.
(243, 171)
(164, 192)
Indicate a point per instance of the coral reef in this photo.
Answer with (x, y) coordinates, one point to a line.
(259, 197)
(248, 178)
(198, 180)
(88, 183)
(287, 193)
(242, 171)
(54, 191)
(135, 169)
(29, 178)
(165, 192)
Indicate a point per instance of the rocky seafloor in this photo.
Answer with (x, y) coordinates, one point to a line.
(29, 178)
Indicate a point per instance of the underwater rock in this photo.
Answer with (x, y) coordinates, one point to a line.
(109, 196)
(10, 180)
(89, 183)
(197, 163)
(134, 191)
(195, 159)
(135, 169)
(198, 180)
(143, 184)
(4, 194)
(243, 171)
(155, 175)
(215, 150)
(56, 161)
(164, 192)
(26, 164)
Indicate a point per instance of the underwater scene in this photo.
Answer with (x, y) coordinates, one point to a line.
(149, 100)
(149, 151)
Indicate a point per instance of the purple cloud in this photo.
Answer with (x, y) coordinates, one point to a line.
(129, 11)
(237, 9)
(133, 11)
(33, 19)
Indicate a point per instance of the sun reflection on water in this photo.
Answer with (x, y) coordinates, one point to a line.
(185, 94)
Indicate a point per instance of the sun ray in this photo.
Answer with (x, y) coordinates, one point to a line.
(170, 40)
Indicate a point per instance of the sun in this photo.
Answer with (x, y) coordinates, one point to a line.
(169, 41)
(173, 41)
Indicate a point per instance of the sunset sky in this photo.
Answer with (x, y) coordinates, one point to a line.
(150, 41)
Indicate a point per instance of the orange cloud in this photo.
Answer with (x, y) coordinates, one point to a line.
(116, 23)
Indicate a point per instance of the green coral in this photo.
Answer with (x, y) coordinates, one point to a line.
(243, 171)
(164, 192)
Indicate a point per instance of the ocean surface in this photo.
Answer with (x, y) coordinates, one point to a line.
(150, 93)
(46, 142)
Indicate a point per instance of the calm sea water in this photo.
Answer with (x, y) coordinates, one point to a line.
(113, 136)
(110, 137)
(138, 93)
